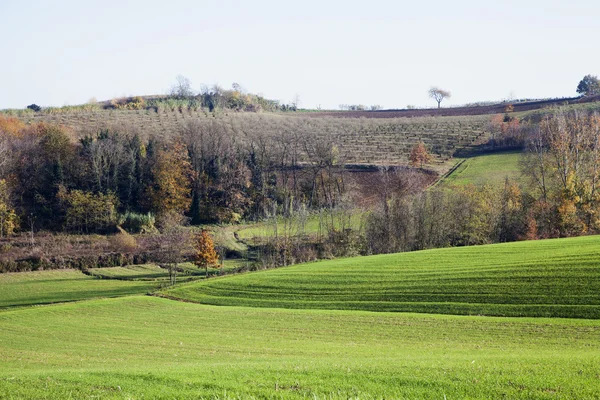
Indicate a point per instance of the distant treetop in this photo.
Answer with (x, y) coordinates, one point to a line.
(589, 86)
(439, 94)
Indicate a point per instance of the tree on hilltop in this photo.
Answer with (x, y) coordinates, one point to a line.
(589, 86)
(439, 94)
(182, 89)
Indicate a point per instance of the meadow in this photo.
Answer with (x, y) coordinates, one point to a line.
(313, 225)
(147, 347)
(491, 169)
(550, 278)
(322, 330)
(55, 286)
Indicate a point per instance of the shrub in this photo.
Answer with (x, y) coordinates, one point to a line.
(123, 242)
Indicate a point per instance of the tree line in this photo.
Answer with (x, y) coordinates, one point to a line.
(557, 196)
(55, 180)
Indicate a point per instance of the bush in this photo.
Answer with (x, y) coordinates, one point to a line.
(123, 242)
(130, 103)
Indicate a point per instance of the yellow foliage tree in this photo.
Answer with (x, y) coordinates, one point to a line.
(8, 217)
(206, 255)
(173, 175)
(89, 212)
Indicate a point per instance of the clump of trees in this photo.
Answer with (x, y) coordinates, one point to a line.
(95, 181)
(589, 86)
(559, 196)
(563, 166)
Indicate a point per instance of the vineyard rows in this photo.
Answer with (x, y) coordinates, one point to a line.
(361, 140)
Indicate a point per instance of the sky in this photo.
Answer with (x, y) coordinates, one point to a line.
(387, 53)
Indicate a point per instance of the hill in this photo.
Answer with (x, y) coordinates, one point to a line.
(551, 278)
(360, 140)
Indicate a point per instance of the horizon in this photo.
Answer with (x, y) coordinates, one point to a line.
(326, 54)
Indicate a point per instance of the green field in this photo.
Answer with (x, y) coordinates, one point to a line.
(490, 169)
(551, 278)
(311, 331)
(143, 347)
(313, 225)
(45, 287)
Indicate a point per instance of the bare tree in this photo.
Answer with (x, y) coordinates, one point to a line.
(4, 155)
(439, 94)
(182, 89)
(172, 248)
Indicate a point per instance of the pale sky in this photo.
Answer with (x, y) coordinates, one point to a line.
(54, 53)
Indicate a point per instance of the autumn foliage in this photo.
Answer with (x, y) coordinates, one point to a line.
(419, 155)
(206, 255)
(173, 176)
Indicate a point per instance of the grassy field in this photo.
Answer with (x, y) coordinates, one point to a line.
(311, 332)
(144, 347)
(44, 287)
(150, 272)
(314, 224)
(551, 278)
(490, 169)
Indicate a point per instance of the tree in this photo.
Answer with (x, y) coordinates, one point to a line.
(419, 155)
(89, 212)
(8, 218)
(171, 248)
(589, 86)
(439, 94)
(173, 176)
(182, 89)
(205, 254)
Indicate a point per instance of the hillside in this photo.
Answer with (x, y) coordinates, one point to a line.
(477, 109)
(143, 347)
(551, 278)
(491, 168)
(360, 140)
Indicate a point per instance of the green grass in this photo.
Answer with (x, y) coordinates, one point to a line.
(133, 272)
(490, 169)
(144, 347)
(314, 224)
(151, 272)
(44, 287)
(551, 278)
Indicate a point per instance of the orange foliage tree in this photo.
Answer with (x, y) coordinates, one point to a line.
(206, 255)
(419, 155)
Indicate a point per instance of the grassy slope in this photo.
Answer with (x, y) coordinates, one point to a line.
(148, 347)
(43, 287)
(486, 169)
(267, 229)
(554, 278)
(150, 272)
